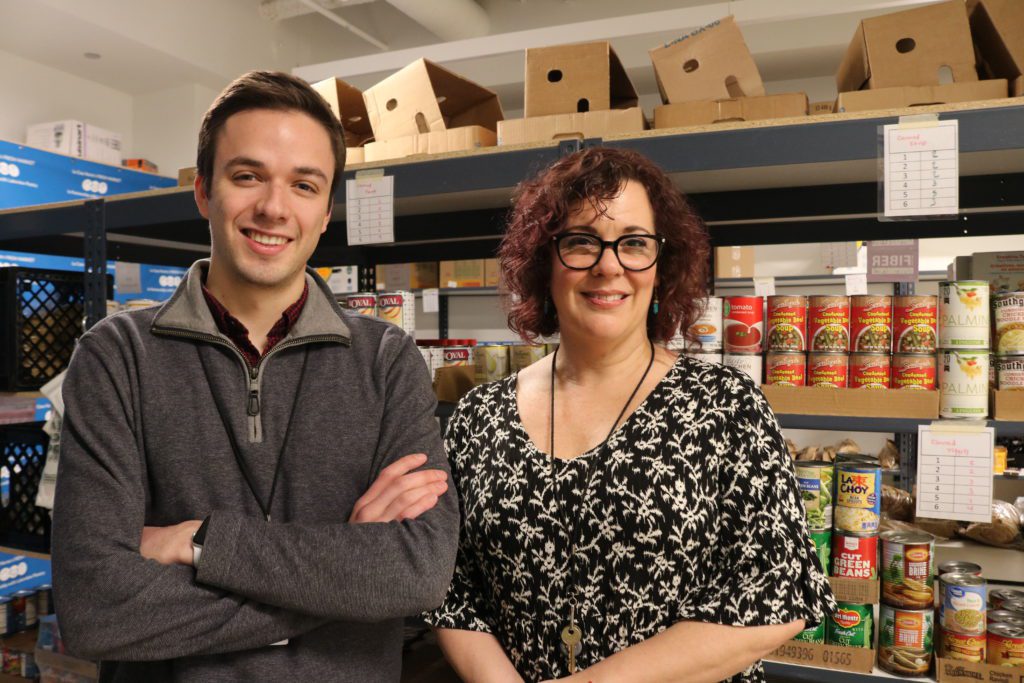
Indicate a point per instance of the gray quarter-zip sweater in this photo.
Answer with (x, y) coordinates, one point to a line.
(144, 445)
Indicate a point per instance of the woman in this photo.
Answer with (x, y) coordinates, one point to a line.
(633, 505)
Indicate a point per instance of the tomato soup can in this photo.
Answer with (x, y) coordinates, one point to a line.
(911, 371)
(908, 562)
(787, 323)
(1010, 372)
(364, 303)
(871, 324)
(786, 367)
(750, 363)
(707, 329)
(1001, 596)
(870, 371)
(1006, 645)
(743, 317)
(815, 480)
(963, 314)
(964, 647)
(851, 625)
(905, 640)
(963, 384)
(1008, 322)
(827, 369)
(858, 497)
(828, 323)
(823, 549)
(915, 323)
(855, 556)
(963, 603)
(399, 308)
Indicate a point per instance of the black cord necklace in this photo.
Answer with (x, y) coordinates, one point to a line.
(572, 635)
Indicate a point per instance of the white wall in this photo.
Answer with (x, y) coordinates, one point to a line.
(166, 125)
(33, 93)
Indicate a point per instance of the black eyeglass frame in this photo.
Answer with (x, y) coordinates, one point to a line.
(606, 244)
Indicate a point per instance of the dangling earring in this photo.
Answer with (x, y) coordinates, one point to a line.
(655, 303)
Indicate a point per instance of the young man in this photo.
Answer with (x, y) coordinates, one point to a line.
(252, 485)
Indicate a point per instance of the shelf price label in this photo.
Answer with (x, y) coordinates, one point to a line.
(370, 209)
(954, 472)
(921, 169)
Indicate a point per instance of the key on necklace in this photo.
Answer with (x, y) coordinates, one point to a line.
(571, 637)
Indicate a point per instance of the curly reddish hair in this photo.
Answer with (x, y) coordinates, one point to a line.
(541, 207)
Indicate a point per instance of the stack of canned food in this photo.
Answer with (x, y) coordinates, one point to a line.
(21, 610)
(491, 360)
(906, 616)
(398, 307)
(976, 629)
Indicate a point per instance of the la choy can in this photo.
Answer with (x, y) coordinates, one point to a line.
(858, 505)
(905, 640)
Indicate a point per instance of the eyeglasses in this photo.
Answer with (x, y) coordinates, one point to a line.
(582, 250)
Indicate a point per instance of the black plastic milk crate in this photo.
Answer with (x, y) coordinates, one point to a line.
(41, 314)
(23, 453)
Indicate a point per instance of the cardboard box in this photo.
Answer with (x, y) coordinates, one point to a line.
(1004, 270)
(437, 142)
(492, 272)
(141, 165)
(76, 139)
(835, 657)
(594, 124)
(859, 591)
(354, 155)
(920, 95)
(187, 176)
(347, 104)
(732, 262)
(469, 273)
(821, 108)
(711, 63)
(912, 47)
(570, 79)
(735, 109)
(1007, 405)
(918, 405)
(453, 382)
(998, 30)
(407, 275)
(424, 97)
(956, 671)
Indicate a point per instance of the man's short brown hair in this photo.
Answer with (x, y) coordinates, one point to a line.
(267, 90)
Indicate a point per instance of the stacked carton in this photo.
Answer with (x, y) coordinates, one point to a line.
(574, 91)
(426, 109)
(998, 30)
(347, 104)
(911, 58)
(709, 76)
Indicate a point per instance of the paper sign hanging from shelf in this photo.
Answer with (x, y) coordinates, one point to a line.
(921, 169)
(954, 471)
(370, 210)
(764, 286)
(838, 254)
(431, 301)
(893, 261)
(856, 284)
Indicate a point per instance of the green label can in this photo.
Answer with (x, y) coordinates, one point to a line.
(823, 547)
(814, 634)
(852, 625)
(815, 480)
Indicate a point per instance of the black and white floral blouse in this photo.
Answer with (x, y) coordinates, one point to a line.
(693, 515)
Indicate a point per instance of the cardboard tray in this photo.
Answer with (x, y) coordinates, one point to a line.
(835, 657)
(860, 591)
(953, 670)
(920, 405)
(1008, 405)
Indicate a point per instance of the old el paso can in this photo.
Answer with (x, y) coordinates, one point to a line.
(869, 371)
(744, 324)
(871, 324)
(855, 556)
(914, 324)
(910, 371)
(828, 323)
(858, 505)
(786, 367)
(827, 369)
(787, 323)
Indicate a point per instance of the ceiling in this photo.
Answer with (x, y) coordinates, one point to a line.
(151, 45)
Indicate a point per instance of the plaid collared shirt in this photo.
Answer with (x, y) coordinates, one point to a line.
(239, 335)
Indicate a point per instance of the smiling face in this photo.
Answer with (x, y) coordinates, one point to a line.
(606, 302)
(269, 198)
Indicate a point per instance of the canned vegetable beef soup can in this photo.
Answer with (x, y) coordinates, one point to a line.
(905, 640)
(1008, 319)
(914, 324)
(785, 367)
(827, 369)
(815, 481)
(908, 561)
(828, 323)
(1006, 645)
(708, 327)
(911, 371)
(963, 315)
(744, 324)
(858, 497)
(787, 323)
(869, 370)
(963, 384)
(963, 603)
(851, 625)
(871, 324)
(855, 556)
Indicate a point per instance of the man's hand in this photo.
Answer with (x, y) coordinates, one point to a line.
(169, 544)
(399, 493)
